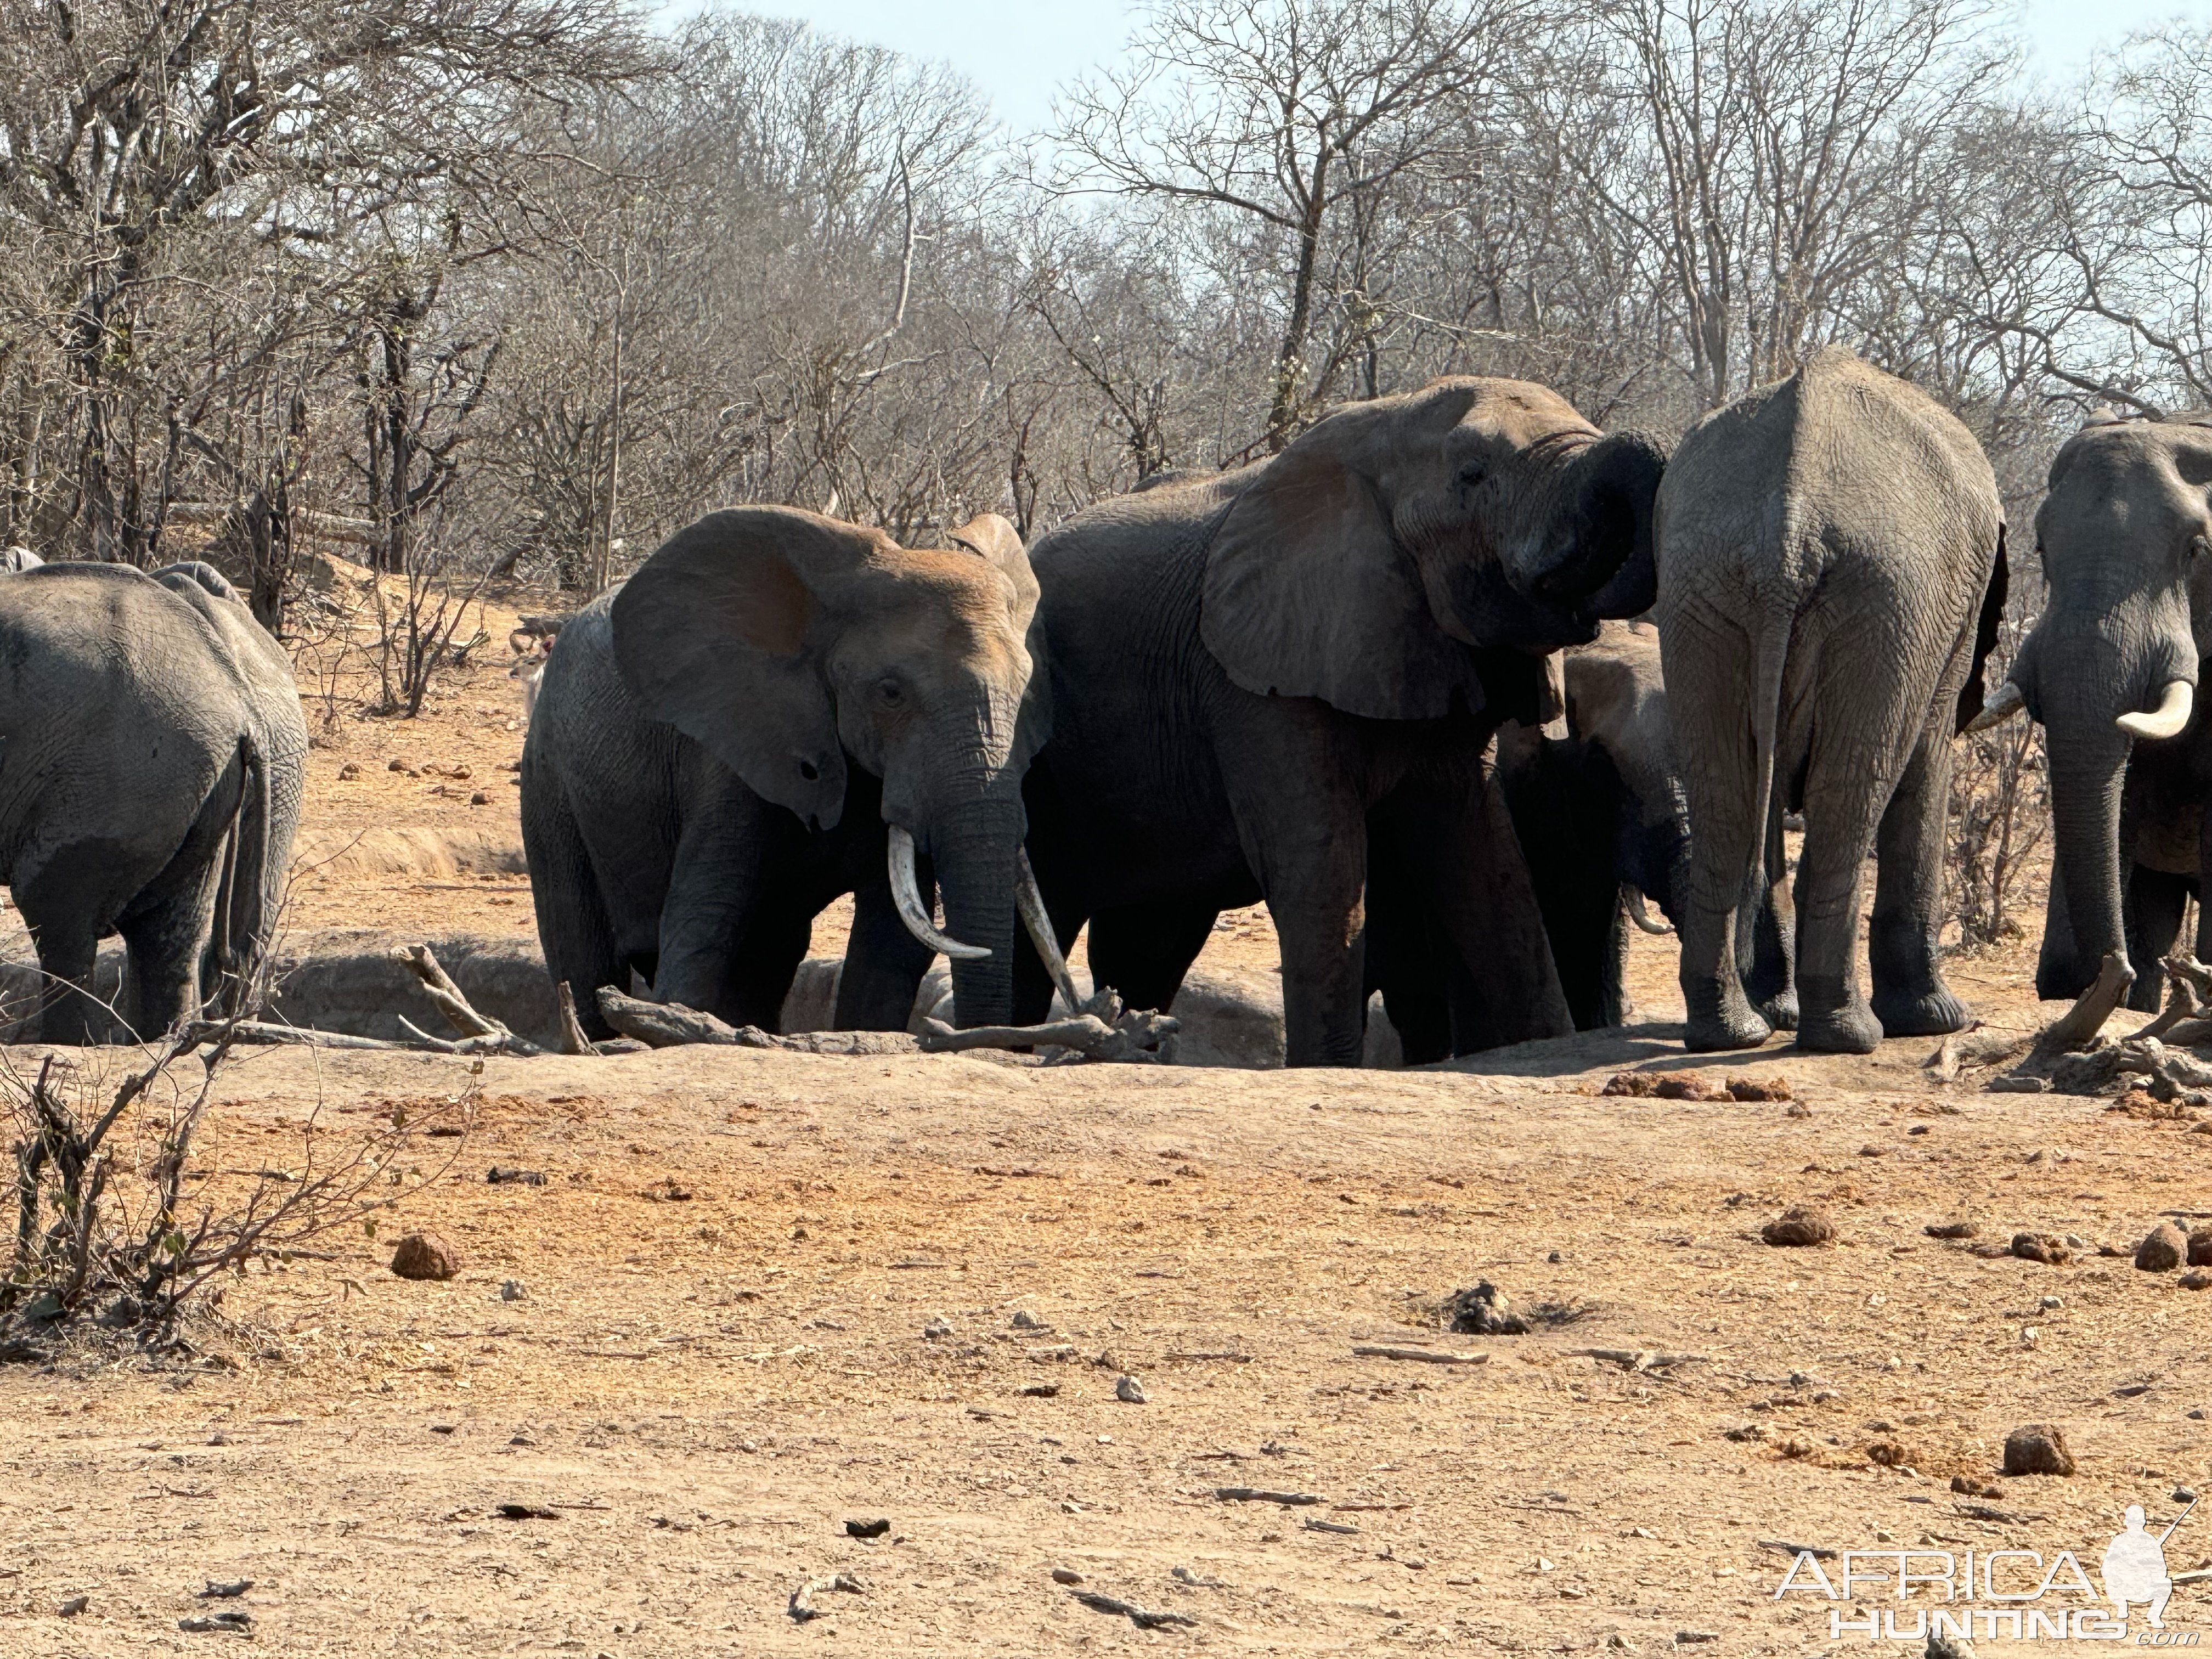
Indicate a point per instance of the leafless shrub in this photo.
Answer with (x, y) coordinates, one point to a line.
(126, 1219)
(2000, 817)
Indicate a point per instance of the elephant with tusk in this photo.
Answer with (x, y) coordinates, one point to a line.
(2110, 669)
(778, 709)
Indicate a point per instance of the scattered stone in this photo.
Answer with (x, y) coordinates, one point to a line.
(1196, 1580)
(1797, 1227)
(1686, 1637)
(397, 765)
(2046, 1248)
(524, 1512)
(936, 1329)
(1066, 1576)
(2162, 1249)
(1135, 1614)
(1946, 1644)
(1485, 1310)
(2200, 1248)
(2037, 1448)
(1775, 1088)
(1798, 1109)
(875, 1528)
(425, 1255)
(349, 772)
(1952, 1229)
(233, 1620)
(1041, 1390)
(479, 798)
(224, 1590)
(75, 1605)
(1634, 1085)
(512, 1290)
(498, 1177)
(2051, 1303)
(1025, 1321)
(1128, 1391)
(2018, 1085)
(1889, 1454)
(2196, 1279)
(1967, 1485)
(1872, 1151)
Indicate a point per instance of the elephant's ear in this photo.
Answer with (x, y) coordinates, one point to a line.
(1985, 635)
(1308, 594)
(997, 540)
(719, 634)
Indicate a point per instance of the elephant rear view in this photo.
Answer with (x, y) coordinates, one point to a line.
(1825, 547)
(151, 759)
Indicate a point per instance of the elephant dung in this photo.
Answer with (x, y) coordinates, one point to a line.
(2200, 1248)
(2037, 1448)
(425, 1255)
(1797, 1227)
(2162, 1249)
(1486, 1310)
(2046, 1248)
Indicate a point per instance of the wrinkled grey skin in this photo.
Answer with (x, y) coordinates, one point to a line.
(1600, 809)
(152, 755)
(1279, 683)
(1825, 545)
(720, 744)
(2122, 533)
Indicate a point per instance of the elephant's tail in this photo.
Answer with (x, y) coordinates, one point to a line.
(242, 896)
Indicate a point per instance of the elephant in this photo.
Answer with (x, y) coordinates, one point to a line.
(1264, 681)
(1600, 817)
(779, 708)
(1828, 551)
(2110, 669)
(155, 758)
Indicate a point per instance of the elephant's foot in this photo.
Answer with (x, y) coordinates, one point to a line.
(1780, 1010)
(1929, 1013)
(1721, 1019)
(1838, 1021)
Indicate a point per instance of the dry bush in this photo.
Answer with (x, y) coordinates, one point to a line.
(126, 1223)
(2000, 817)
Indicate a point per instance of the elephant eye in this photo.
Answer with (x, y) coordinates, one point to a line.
(1471, 475)
(2199, 546)
(890, 693)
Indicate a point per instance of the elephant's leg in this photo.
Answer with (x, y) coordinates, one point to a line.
(1772, 985)
(883, 963)
(2156, 902)
(68, 943)
(1910, 996)
(1143, 951)
(573, 926)
(164, 944)
(1470, 879)
(727, 924)
(1408, 960)
(1712, 683)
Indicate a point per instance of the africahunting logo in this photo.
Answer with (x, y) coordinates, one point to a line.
(2017, 1594)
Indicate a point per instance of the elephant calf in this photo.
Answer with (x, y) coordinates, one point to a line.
(777, 709)
(151, 759)
(1823, 545)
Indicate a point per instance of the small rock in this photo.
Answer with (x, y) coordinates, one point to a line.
(2047, 1248)
(1105, 1361)
(1025, 1321)
(1041, 1391)
(1798, 1226)
(349, 772)
(1128, 1391)
(936, 1328)
(479, 798)
(875, 1528)
(396, 764)
(2037, 1448)
(2051, 1302)
(2183, 1495)
(1952, 1229)
(1744, 1088)
(1798, 1109)
(1066, 1576)
(2195, 1279)
(2162, 1249)
(233, 1620)
(2200, 1248)
(75, 1605)
(425, 1255)
(1872, 1151)
(1889, 1454)
(1485, 1310)
(512, 1290)
(1972, 1488)
(1944, 1644)
(1686, 1637)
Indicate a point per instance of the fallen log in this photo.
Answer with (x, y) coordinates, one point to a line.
(1136, 1036)
(662, 1025)
(573, 1040)
(259, 1030)
(2078, 1025)
(479, 1035)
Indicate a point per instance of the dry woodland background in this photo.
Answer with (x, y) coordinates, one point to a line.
(489, 295)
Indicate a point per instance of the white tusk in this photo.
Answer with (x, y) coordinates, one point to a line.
(2008, 701)
(2167, 719)
(1633, 896)
(1030, 902)
(906, 893)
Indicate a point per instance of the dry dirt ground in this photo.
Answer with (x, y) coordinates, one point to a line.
(758, 1295)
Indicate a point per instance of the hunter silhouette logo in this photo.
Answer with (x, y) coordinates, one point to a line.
(2014, 1593)
(2134, 1566)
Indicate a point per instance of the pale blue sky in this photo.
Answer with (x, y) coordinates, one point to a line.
(1020, 51)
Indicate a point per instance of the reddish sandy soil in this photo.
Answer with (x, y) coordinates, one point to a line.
(761, 1294)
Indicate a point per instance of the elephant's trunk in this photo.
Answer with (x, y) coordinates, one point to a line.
(2078, 681)
(976, 848)
(1593, 551)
